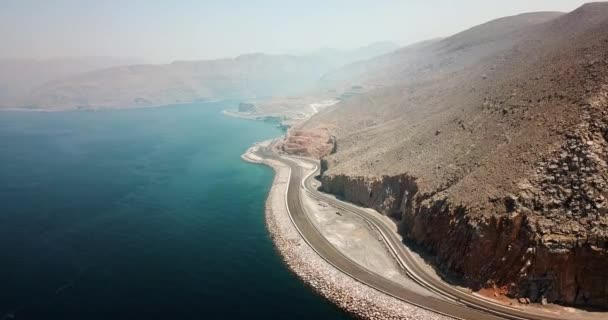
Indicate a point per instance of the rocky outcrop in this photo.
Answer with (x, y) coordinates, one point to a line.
(309, 143)
(567, 198)
(504, 251)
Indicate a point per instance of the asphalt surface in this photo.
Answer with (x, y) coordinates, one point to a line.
(458, 303)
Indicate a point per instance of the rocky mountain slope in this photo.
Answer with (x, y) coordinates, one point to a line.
(248, 76)
(489, 148)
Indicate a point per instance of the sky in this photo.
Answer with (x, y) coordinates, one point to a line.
(161, 31)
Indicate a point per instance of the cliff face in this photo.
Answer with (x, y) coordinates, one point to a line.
(509, 252)
(503, 251)
(388, 194)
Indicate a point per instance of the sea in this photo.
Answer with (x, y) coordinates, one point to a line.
(140, 214)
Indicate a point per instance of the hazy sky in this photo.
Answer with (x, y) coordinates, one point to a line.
(162, 31)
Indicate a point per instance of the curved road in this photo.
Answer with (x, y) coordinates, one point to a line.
(459, 304)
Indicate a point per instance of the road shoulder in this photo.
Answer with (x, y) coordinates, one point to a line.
(342, 290)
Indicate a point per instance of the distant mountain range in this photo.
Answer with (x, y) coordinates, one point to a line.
(18, 77)
(88, 83)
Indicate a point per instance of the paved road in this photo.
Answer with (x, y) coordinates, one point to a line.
(458, 304)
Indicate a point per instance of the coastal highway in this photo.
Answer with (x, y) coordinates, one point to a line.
(457, 303)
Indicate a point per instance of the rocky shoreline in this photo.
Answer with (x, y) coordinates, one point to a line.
(347, 293)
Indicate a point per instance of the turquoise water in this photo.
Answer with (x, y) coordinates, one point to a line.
(140, 214)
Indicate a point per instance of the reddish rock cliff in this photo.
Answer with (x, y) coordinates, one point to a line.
(309, 143)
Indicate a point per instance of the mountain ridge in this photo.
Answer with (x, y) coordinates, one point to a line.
(248, 76)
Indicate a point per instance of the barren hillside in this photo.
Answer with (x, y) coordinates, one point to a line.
(490, 148)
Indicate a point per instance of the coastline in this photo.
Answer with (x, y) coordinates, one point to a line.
(338, 288)
(241, 115)
(104, 108)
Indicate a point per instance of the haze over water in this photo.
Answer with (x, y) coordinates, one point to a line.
(146, 213)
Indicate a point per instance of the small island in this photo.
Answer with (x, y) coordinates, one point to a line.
(245, 107)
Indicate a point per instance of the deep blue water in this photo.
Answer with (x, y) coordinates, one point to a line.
(140, 214)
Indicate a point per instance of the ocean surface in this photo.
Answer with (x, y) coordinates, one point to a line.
(140, 214)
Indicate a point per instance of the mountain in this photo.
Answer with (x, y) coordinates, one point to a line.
(247, 76)
(489, 148)
(19, 76)
(340, 58)
(435, 57)
(251, 75)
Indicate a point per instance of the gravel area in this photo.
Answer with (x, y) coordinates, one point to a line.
(347, 293)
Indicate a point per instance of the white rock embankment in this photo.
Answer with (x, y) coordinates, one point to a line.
(342, 290)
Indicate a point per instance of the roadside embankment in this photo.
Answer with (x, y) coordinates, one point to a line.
(347, 293)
